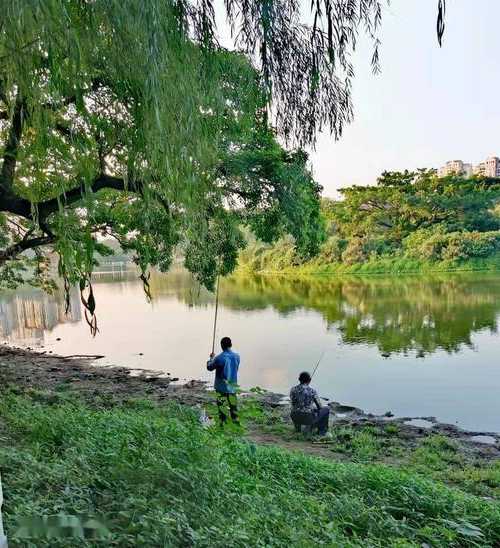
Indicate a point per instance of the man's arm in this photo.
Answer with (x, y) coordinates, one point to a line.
(317, 401)
(212, 362)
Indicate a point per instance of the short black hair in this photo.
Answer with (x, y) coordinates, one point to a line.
(304, 377)
(226, 343)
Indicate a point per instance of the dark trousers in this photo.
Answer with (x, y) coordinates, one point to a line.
(225, 402)
(315, 419)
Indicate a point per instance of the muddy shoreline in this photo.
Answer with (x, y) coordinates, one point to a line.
(27, 371)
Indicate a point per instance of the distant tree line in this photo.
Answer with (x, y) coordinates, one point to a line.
(409, 215)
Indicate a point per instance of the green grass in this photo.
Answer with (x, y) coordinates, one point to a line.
(388, 265)
(438, 457)
(434, 456)
(158, 479)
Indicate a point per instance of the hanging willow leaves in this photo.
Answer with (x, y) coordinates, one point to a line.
(440, 24)
(125, 119)
(89, 304)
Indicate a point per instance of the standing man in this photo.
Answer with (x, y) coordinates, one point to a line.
(306, 407)
(226, 366)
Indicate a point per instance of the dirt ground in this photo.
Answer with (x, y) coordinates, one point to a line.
(24, 370)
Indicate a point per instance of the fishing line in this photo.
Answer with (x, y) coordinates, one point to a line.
(321, 358)
(319, 361)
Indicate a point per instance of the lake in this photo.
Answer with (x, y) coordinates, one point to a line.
(416, 346)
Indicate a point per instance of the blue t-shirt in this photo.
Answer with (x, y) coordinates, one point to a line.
(226, 366)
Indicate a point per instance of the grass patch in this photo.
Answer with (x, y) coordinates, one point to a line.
(437, 452)
(159, 479)
(383, 265)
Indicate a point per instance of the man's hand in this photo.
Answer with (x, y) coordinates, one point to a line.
(210, 364)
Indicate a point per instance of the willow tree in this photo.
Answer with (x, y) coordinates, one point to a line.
(127, 118)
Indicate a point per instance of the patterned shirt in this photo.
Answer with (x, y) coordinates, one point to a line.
(303, 398)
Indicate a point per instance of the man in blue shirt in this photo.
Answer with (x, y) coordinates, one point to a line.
(226, 366)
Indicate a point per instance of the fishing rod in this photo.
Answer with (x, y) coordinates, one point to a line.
(319, 361)
(216, 312)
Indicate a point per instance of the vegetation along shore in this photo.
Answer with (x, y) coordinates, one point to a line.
(409, 222)
(128, 449)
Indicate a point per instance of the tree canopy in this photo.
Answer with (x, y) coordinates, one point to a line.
(402, 203)
(417, 214)
(407, 215)
(127, 118)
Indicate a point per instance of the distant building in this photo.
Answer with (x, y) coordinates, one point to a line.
(480, 169)
(489, 168)
(455, 167)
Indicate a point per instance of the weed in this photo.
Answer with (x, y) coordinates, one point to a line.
(157, 478)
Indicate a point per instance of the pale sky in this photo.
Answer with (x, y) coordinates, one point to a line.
(428, 105)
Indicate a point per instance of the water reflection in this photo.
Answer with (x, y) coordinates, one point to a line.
(397, 315)
(27, 314)
(281, 326)
(412, 314)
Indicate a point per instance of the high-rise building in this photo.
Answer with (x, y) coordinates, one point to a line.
(455, 167)
(489, 168)
(492, 167)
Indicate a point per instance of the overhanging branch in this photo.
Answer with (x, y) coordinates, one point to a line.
(76, 194)
(16, 249)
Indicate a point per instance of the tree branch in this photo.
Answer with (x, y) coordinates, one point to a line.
(16, 249)
(23, 207)
(12, 145)
(76, 194)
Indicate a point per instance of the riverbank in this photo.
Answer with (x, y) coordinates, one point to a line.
(379, 266)
(114, 443)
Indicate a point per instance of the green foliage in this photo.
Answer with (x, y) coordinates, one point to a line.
(163, 147)
(407, 221)
(127, 119)
(362, 444)
(395, 314)
(331, 251)
(437, 245)
(437, 452)
(156, 478)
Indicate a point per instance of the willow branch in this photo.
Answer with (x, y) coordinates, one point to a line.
(12, 146)
(16, 249)
(77, 193)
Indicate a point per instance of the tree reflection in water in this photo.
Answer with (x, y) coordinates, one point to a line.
(420, 314)
(399, 315)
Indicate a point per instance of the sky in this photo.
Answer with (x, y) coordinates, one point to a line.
(429, 104)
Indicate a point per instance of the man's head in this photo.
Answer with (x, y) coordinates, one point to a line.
(304, 378)
(226, 343)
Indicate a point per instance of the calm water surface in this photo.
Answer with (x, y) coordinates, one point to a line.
(414, 346)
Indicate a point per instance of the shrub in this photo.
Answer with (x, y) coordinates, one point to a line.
(436, 245)
(355, 251)
(331, 251)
